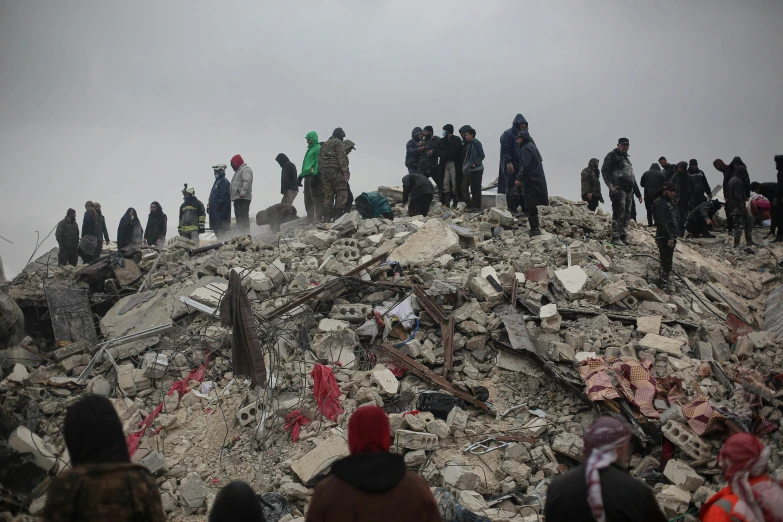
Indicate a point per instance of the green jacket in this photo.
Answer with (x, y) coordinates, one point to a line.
(310, 165)
(376, 206)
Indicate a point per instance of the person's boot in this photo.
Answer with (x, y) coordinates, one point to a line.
(736, 242)
(534, 226)
(778, 239)
(616, 241)
(625, 240)
(749, 237)
(445, 200)
(708, 235)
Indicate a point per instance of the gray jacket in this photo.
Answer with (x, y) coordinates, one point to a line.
(242, 183)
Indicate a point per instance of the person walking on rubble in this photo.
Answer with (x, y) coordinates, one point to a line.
(237, 502)
(509, 154)
(129, 232)
(335, 174)
(89, 239)
(700, 220)
(219, 204)
(67, 236)
(428, 159)
(651, 182)
(241, 193)
(102, 484)
(102, 231)
(751, 494)
(419, 190)
(591, 185)
(737, 195)
(682, 196)
(450, 149)
(192, 218)
(601, 489)
(618, 175)
(311, 174)
(371, 483)
(157, 226)
(473, 166)
(666, 231)
(532, 180)
(289, 186)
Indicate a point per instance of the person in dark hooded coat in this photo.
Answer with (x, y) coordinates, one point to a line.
(700, 187)
(591, 185)
(419, 190)
(509, 154)
(531, 179)
(372, 483)
(700, 220)
(219, 204)
(102, 484)
(682, 195)
(289, 183)
(737, 194)
(237, 502)
(130, 231)
(651, 182)
(412, 150)
(464, 185)
(157, 224)
(67, 237)
(727, 173)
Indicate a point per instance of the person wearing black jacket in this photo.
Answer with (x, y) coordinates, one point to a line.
(130, 231)
(669, 169)
(103, 232)
(591, 185)
(289, 183)
(769, 190)
(666, 231)
(700, 187)
(88, 243)
(419, 190)
(450, 151)
(67, 237)
(651, 182)
(157, 225)
(700, 219)
(779, 199)
(737, 194)
(682, 195)
(464, 186)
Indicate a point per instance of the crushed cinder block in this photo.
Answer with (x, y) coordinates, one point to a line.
(132, 380)
(320, 458)
(482, 288)
(385, 379)
(550, 318)
(194, 492)
(154, 461)
(249, 414)
(649, 324)
(685, 439)
(472, 501)
(658, 343)
(337, 346)
(674, 501)
(457, 419)
(460, 477)
(682, 475)
(571, 281)
(569, 444)
(210, 295)
(613, 292)
(415, 440)
(500, 216)
(154, 365)
(24, 441)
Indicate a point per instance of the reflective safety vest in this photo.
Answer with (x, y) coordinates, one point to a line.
(192, 216)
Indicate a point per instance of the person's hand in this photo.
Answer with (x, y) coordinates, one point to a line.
(612, 190)
(509, 168)
(641, 200)
(429, 153)
(518, 183)
(107, 241)
(589, 197)
(348, 177)
(671, 243)
(474, 165)
(709, 222)
(312, 169)
(299, 181)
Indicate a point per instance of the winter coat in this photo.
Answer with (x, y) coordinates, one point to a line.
(220, 201)
(377, 205)
(531, 176)
(333, 156)
(242, 183)
(669, 171)
(310, 165)
(90, 224)
(721, 507)
(67, 234)
(415, 185)
(682, 185)
(617, 170)
(769, 190)
(474, 155)
(509, 152)
(652, 181)
(700, 187)
(737, 167)
(288, 174)
(450, 149)
(665, 219)
(101, 227)
(626, 499)
(157, 226)
(735, 194)
(428, 163)
(412, 151)
(129, 232)
(701, 213)
(192, 217)
(591, 181)
(372, 486)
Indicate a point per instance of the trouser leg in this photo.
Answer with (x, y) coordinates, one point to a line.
(340, 187)
(533, 222)
(739, 223)
(73, 257)
(628, 202)
(666, 254)
(748, 228)
(289, 196)
(308, 198)
(450, 187)
(648, 205)
(475, 179)
(242, 213)
(63, 256)
(618, 212)
(779, 222)
(328, 194)
(466, 188)
(729, 222)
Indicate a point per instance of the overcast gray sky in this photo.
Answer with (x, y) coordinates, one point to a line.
(123, 102)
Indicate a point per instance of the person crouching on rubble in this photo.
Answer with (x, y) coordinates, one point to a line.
(600, 489)
(276, 215)
(237, 502)
(192, 217)
(751, 495)
(666, 231)
(419, 189)
(700, 220)
(372, 483)
(102, 484)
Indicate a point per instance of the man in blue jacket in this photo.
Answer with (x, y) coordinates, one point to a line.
(219, 205)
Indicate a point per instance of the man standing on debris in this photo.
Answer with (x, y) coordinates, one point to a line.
(428, 159)
(129, 232)
(532, 180)
(371, 483)
(751, 495)
(600, 489)
(618, 175)
(509, 154)
(682, 195)
(419, 189)
(666, 231)
(412, 150)
(192, 218)
(219, 205)
(241, 194)
(651, 182)
(157, 226)
(335, 175)
(699, 223)
(89, 240)
(737, 195)
(311, 174)
(276, 215)
(102, 231)
(67, 236)
(473, 166)
(450, 151)
(669, 169)
(700, 187)
(289, 186)
(464, 183)
(591, 185)
(102, 484)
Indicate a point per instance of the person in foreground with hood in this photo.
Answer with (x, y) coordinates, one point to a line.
(601, 489)
(192, 218)
(532, 180)
(509, 154)
(372, 483)
(591, 185)
(666, 231)
(237, 502)
(473, 166)
(682, 195)
(419, 190)
(89, 240)
(651, 182)
(102, 231)
(618, 175)
(311, 174)
(289, 185)
(241, 194)
(335, 175)
(412, 150)
(219, 204)
(737, 194)
(700, 220)
(751, 495)
(102, 484)
(778, 202)
(130, 231)
(157, 226)
(67, 236)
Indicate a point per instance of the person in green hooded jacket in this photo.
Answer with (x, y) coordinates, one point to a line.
(373, 205)
(313, 188)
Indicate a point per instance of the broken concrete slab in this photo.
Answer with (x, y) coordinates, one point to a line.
(649, 324)
(550, 318)
(385, 379)
(337, 346)
(415, 440)
(320, 458)
(571, 281)
(614, 292)
(569, 444)
(460, 477)
(682, 475)
(24, 441)
(658, 343)
(194, 493)
(674, 501)
(428, 243)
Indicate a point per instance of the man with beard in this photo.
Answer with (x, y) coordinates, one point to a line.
(651, 182)
(428, 159)
(591, 185)
(67, 236)
(618, 175)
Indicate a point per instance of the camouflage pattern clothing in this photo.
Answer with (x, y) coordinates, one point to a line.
(99, 492)
(622, 203)
(333, 155)
(334, 174)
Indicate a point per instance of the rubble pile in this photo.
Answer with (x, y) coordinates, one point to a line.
(491, 351)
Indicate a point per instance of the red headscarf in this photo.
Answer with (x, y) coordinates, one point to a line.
(236, 162)
(369, 431)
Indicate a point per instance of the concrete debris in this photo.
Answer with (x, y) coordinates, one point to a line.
(489, 341)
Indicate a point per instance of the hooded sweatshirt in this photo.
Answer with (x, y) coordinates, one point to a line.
(157, 223)
(682, 184)
(67, 234)
(129, 232)
(652, 181)
(288, 174)
(310, 165)
(242, 182)
(591, 180)
(412, 152)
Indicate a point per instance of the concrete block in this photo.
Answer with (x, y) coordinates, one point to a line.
(132, 380)
(603, 260)
(439, 428)
(571, 281)
(415, 440)
(482, 288)
(516, 470)
(385, 380)
(428, 243)
(293, 491)
(319, 458)
(249, 414)
(209, 295)
(460, 477)
(550, 318)
(19, 374)
(685, 439)
(472, 501)
(154, 365)
(500, 216)
(649, 324)
(194, 493)
(415, 458)
(320, 239)
(354, 313)
(153, 461)
(457, 419)
(658, 343)
(682, 475)
(347, 223)
(630, 302)
(25, 441)
(337, 346)
(674, 501)
(569, 445)
(614, 292)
